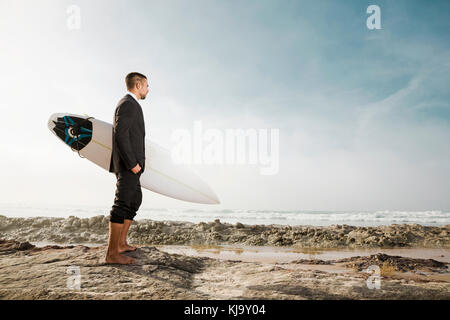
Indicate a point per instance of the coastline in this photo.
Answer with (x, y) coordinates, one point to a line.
(40, 273)
(274, 254)
(207, 261)
(73, 230)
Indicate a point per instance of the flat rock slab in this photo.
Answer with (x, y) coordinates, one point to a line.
(52, 272)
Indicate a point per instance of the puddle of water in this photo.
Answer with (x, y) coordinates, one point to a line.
(46, 243)
(442, 255)
(268, 254)
(271, 254)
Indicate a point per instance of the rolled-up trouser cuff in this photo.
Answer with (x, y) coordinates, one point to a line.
(115, 218)
(128, 197)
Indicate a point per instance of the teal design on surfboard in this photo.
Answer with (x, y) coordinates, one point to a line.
(70, 130)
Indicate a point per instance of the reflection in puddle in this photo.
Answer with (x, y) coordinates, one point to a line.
(269, 254)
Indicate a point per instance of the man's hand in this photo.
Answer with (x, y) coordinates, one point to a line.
(136, 169)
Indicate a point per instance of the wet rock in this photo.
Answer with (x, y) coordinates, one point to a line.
(402, 264)
(165, 232)
(239, 225)
(9, 246)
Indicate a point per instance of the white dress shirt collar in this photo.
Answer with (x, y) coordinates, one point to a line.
(133, 95)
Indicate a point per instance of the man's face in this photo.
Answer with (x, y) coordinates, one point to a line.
(144, 89)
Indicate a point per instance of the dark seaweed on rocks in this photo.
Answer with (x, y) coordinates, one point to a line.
(402, 264)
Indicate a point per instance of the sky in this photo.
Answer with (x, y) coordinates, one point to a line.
(363, 115)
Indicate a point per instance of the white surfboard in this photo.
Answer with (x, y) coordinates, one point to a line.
(92, 138)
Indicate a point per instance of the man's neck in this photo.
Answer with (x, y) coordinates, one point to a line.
(135, 94)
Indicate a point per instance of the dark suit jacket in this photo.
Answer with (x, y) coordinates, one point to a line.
(128, 136)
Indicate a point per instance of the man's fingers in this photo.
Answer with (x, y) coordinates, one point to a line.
(136, 169)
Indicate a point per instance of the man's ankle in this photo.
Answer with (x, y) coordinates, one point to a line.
(111, 253)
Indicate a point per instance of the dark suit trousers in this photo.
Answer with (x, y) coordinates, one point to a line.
(128, 196)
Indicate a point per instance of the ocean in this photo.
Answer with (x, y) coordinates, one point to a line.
(297, 217)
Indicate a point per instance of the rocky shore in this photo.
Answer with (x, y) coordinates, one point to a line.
(73, 230)
(30, 272)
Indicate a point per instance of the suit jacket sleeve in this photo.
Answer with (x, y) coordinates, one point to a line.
(125, 116)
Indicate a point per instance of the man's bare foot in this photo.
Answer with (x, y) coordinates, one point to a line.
(120, 259)
(125, 248)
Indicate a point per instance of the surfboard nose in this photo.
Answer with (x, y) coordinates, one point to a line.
(210, 196)
(214, 197)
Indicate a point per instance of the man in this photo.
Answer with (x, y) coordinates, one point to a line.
(128, 163)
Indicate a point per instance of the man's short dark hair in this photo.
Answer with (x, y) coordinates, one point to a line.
(132, 78)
